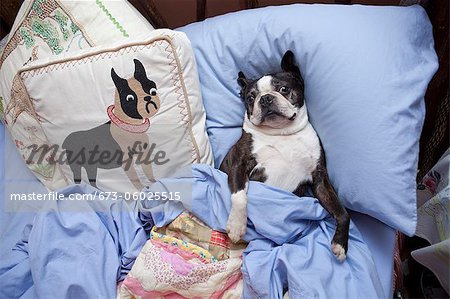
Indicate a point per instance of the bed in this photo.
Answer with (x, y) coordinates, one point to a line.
(13, 224)
(16, 228)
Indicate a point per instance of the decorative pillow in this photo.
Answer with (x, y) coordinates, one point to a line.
(46, 28)
(366, 70)
(117, 117)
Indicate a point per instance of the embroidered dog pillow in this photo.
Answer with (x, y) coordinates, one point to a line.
(116, 117)
(45, 28)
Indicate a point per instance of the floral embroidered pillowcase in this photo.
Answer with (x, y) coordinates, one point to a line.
(117, 117)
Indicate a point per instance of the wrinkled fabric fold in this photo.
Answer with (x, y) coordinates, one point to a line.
(73, 249)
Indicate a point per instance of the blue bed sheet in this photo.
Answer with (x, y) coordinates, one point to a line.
(15, 177)
(69, 253)
(81, 253)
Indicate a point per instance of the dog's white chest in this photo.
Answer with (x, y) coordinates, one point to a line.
(287, 160)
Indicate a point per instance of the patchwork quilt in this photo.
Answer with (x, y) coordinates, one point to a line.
(175, 268)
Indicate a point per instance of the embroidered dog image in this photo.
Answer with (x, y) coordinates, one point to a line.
(122, 141)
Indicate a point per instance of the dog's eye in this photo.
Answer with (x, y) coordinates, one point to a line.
(284, 89)
(130, 97)
(153, 91)
(250, 99)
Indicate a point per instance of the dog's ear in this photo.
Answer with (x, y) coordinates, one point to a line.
(139, 71)
(118, 82)
(141, 76)
(288, 64)
(242, 80)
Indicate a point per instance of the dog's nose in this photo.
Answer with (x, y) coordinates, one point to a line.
(266, 100)
(147, 98)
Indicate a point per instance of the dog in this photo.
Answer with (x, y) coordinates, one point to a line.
(122, 140)
(279, 147)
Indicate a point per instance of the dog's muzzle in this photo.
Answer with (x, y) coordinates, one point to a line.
(149, 101)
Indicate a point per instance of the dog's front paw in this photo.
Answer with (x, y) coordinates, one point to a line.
(237, 225)
(339, 251)
(236, 230)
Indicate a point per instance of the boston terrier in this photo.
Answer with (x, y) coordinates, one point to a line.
(279, 147)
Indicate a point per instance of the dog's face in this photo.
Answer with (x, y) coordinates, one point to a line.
(274, 100)
(137, 96)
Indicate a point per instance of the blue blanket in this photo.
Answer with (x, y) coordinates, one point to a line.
(81, 249)
(73, 249)
(289, 238)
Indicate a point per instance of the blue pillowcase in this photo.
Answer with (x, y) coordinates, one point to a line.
(366, 70)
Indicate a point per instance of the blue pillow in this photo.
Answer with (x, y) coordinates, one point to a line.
(366, 70)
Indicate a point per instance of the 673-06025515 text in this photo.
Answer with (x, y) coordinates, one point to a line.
(97, 195)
